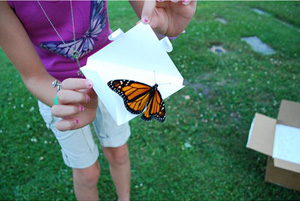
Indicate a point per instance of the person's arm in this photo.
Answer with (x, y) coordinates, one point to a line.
(18, 47)
(165, 17)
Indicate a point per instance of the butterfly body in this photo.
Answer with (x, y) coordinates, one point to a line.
(140, 98)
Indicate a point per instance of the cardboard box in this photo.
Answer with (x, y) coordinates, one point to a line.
(280, 140)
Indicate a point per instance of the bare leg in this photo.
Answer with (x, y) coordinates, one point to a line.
(119, 164)
(85, 182)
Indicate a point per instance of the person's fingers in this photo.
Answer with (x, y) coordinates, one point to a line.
(186, 2)
(71, 97)
(66, 110)
(76, 84)
(68, 124)
(75, 122)
(148, 11)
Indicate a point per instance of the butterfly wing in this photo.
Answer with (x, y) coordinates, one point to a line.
(155, 108)
(136, 95)
(82, 46)
(97, 18)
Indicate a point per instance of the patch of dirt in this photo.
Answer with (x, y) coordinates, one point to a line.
(204, 89)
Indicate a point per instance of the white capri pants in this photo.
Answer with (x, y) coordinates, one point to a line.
(77, 146)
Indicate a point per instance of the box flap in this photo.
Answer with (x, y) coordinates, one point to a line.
(286, 165)
(261, 134)
(282, 177)
(289, 113)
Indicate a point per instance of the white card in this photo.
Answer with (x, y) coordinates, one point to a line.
(136, 55)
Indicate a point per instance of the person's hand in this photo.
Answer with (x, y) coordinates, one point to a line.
(168, 17)
(77, 104)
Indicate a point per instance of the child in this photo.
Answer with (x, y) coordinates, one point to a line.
(48, 42)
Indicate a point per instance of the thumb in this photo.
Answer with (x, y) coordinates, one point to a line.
(148, 11)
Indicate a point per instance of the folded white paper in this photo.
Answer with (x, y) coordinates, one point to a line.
(287, 143)
(135, 55)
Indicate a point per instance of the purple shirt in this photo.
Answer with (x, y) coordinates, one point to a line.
(91, 32)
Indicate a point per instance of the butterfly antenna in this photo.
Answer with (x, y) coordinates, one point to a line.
(159, 83)
(165, 83)
(154, 77)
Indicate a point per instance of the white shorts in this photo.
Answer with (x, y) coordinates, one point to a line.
(78, 147)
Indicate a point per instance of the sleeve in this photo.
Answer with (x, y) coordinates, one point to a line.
(11, 3)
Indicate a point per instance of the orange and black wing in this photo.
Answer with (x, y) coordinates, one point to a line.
(155, 108)
(135, 94)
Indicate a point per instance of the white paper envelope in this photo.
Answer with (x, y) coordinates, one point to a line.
(135, 55)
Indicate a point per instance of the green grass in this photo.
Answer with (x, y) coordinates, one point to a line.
(225, 92)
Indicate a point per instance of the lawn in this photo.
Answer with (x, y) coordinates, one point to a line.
(199, 152)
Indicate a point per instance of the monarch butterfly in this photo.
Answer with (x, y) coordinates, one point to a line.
(137, 96)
